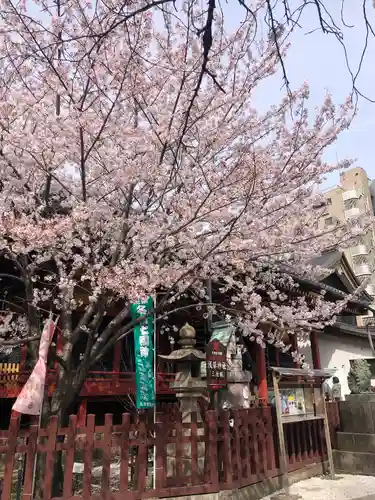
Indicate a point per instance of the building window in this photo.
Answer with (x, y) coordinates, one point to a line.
(329, 201)
(348, 204)
(328, 221)
(360, 259)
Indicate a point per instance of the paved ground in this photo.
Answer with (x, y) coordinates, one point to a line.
(344, 487)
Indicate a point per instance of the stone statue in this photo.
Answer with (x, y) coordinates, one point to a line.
(237, 393)
(359, 378)
(336, 389)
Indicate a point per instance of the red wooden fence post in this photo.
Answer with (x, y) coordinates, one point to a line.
(270, 445)
(245, 438)
(161, 451)
(194, 448)
(226, 453)
(50, 457)
(107, 445)
(141, 468)
(236, 454)
(10, 457)
(87, 457)
(179, 478)
(30, 463)
(211, 419)
(82, 413)
(69, 456)
(124, 464)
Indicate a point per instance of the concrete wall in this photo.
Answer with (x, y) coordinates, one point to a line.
(336, 352)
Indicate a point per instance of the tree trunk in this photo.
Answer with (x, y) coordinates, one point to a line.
(60, 405)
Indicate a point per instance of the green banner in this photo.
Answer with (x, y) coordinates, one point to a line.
(144, 355)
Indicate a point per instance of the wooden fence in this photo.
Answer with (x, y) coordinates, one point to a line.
(143, 459)
(333, 414)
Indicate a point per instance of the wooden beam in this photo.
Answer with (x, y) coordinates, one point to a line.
(280, 428)
(327, 436)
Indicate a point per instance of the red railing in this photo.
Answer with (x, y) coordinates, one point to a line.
(305, 443)
(97, 383)
(142, 459)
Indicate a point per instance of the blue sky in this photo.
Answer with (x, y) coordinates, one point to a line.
(319, 59)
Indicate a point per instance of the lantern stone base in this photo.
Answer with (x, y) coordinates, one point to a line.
(357, 413)
(354, 462)
(356, 440)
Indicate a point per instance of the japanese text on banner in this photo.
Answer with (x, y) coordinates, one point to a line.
(144, 355)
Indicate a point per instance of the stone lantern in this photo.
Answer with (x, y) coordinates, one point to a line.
(188, 383)
(189, 387)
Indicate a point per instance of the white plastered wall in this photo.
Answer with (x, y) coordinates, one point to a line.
(336, 352)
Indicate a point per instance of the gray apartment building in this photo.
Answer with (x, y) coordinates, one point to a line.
(351, 198)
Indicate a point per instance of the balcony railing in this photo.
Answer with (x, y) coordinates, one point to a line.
(348, 320)
(98, 383)
(360, 250)
(362, 270)
(368, 321)
(352, 212)
(351, 194)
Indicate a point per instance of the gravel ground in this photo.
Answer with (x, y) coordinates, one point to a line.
(344, 487)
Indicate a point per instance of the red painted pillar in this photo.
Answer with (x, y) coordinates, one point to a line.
(260, 360)
(315, 350)
(82, 413)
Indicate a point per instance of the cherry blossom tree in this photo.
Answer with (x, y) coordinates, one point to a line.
(133, 160)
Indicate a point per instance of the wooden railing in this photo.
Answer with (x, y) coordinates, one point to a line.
(143, 458)
(9, 371)
(305, 443)
(333, 414)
